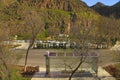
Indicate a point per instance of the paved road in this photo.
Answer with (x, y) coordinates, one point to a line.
(36, 57)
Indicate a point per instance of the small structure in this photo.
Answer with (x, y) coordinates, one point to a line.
(62, 62)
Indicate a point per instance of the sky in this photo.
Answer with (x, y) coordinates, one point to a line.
(106, 2)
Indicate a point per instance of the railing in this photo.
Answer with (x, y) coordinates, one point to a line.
(55, 54)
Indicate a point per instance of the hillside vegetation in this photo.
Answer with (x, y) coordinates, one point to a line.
(56, 17)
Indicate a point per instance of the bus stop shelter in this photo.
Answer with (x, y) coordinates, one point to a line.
(63, 63)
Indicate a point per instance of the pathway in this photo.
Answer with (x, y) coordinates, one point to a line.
(102, 74)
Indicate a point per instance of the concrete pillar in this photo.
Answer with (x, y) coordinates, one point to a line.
(47, 65)
(95, 65)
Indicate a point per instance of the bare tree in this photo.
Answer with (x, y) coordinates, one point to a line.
(33, 26)
(81, 32)
(5, 54)
(107, 31)
(3, 61)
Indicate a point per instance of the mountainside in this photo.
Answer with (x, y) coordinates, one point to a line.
(107, 10)
(66, 5)
(54, 13)
(54, 17)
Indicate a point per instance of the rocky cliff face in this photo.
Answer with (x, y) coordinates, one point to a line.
(66, 5)
(58, 13)
(55, 13)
